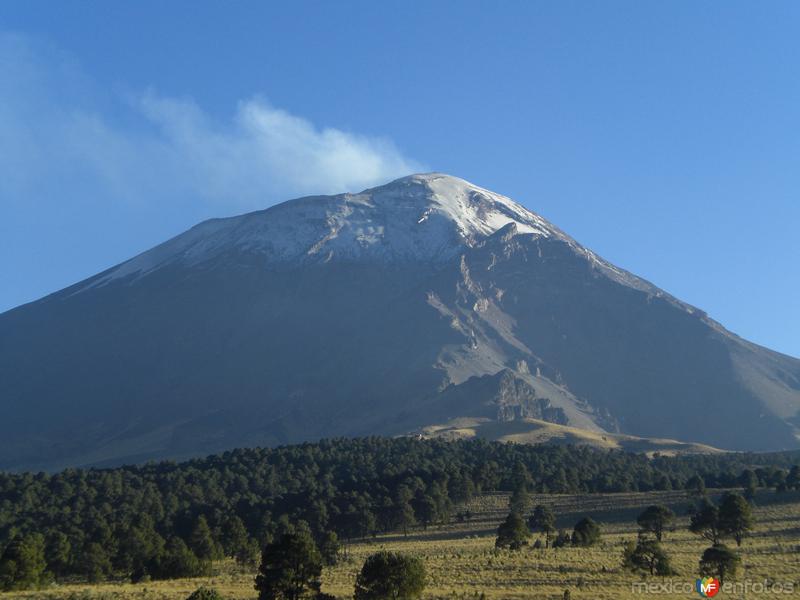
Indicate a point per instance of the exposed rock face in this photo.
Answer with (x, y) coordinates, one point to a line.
(373, 313)
(505, 396)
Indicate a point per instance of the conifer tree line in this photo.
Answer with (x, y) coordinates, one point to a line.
(167, 519)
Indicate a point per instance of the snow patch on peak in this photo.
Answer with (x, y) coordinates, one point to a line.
(476, 212)
(479, 211)
(426, 217)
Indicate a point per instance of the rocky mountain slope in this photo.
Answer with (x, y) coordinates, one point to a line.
(402, 307)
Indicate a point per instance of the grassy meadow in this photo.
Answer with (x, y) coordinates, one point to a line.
(461, 560)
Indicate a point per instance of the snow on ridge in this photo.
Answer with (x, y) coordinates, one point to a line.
(420, 217)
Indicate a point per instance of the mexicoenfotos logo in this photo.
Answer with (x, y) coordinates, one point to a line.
(707, 587)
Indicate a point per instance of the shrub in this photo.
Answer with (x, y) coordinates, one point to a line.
(204, 593)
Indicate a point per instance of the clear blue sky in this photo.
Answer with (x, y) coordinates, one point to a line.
(663, 135)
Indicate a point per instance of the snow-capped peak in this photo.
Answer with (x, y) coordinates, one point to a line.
(426, 217)
(475, 211)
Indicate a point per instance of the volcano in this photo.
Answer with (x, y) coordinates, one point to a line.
(404, 309)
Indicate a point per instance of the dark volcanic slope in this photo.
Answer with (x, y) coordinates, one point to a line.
(370, 313)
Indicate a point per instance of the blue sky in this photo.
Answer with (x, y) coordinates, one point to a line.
(663, 135)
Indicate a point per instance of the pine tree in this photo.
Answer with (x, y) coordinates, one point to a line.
(23, 564)
(248, 555)
(57, 553)
(543, 520)
(178, 561)
(705, 522)
(749, 481)
(521, 477)
(520, 501)
(329, 548)
(290, 569)
(648, 556)
(586, 533)
(235, 539)
(735, 517)
(697, 485)
(512, 533)
(719, 560)
(95, 562)
(139, 547)
(425, 509)
(655, 519)
(390, 576)
(202, 542)
(402, 511)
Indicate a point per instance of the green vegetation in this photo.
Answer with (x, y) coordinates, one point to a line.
(330, 548)
(735, 517)
(586, 533)
(290, 569)
(202, 542)
(166, 520)
(655, 519)
(732, 518)
(544, 520)
(462, 563)
(23, 564)
(204, 593)
(390, 576)
(177, 560)
(720, 561)
(647, 556)
(512, 533)
(705, 521)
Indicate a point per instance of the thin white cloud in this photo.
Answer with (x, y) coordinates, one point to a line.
(61, 136)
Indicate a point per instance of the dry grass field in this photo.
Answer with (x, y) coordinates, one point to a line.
(461, 561)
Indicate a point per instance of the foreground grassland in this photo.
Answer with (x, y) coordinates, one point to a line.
(462, 563)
